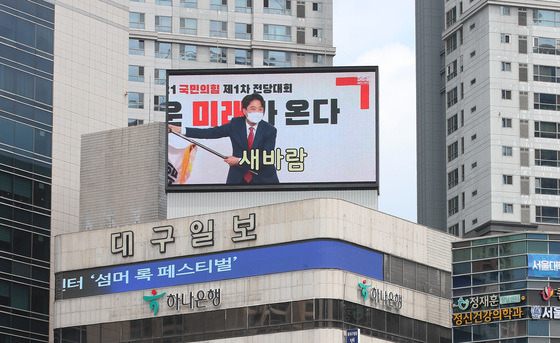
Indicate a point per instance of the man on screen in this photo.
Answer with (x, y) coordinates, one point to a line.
(246, 133)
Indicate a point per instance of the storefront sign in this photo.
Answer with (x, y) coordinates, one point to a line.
(320, 254)
(541, 265)
(201, 299)
(545, 312)
(380, 297)
(488, 316)
(353, 336)
(488, 300)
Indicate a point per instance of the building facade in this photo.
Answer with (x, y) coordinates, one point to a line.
(204, 34)
(505, 288)
(501, 109)
(293, 272)
(55, 85)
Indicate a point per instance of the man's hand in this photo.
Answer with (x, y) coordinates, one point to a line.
(232, 160)
(173, 128)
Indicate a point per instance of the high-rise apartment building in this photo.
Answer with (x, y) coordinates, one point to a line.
(500, 98)
(62, 74)
(204, 34)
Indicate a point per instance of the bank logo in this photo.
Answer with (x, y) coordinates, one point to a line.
(364, 288)
(154, 305)
(547, 293)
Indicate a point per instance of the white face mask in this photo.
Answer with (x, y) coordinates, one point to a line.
(255, 117)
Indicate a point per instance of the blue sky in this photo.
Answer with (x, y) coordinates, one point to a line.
(381, 33)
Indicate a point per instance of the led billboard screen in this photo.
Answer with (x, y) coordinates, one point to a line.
(307, 127)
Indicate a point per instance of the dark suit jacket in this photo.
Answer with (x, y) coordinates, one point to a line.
(265, 139)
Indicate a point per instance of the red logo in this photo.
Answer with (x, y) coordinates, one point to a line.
(547, 293)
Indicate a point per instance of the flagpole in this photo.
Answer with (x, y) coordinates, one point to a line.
(210, 150)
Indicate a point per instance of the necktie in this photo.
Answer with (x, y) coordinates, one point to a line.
(248, 176)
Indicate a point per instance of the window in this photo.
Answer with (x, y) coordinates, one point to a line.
(318, 33)
(451, 43)
(218, 55)
(544, 101)
(187, 52)
(452, 206)
(473, 53)
(317, 7)
(474, 221)
(452, 151)
(504, 10)
(547, 186)
(219, 5)
(451, 70)
(136, 46)
(243, 31)
(463, 202)
(474, 193)
(546, 73)
(451, 17)
(187, 3)
(505, 38)
(135, 122)
(549, 158)
(547, 129)
(473, 81)
(452, 124)
(462, 173)
(473, 137)
(453, 230)
(473, 25)
(136, 73)
(508, 208)
(187, 25)
(243, 57)
(546, 18)
(506, 66)
(452, 97)
(462, 145)
(507, 151)
(452, 178)
(159, 76)
(163, 2)
(163, 50)
(135, 100)
(136, 20)
(276, 58)
(159, 102)
(277, 32)
(244, 6)
(163, 24)
(506, 94)
(506, 122)
(278, 7)
(218, 28)
(462, 118)
(474, 165)
(318, 59)
(507, 179)
(542, 45)
(473, 109)
(545, 214)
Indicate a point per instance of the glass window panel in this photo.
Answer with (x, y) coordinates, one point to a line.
(512, 238)
(461, 255)
(422, 278)
(258, 316)
(485, 241)
(462, 334)
(409, 274)
(41, 247)
(513, 328)
(22, 242)
(484, 252)
(484, 265)
(280, 313)
(24, 136)
(111, 332)
(538, 328)
(484, 278)
(396, 270)
(554, 247)
(20, 296)
(43, 142)
(486, 332)
(513, 275)
(434, 281)
(513, 248)
(7, 131)
(537, 247)
(461, 281)
(187, 52)
(513, 262)
(214, 321)
(302, 311)
(393, 323)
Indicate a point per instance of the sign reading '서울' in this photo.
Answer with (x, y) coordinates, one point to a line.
(318, 125)
(541, 265)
